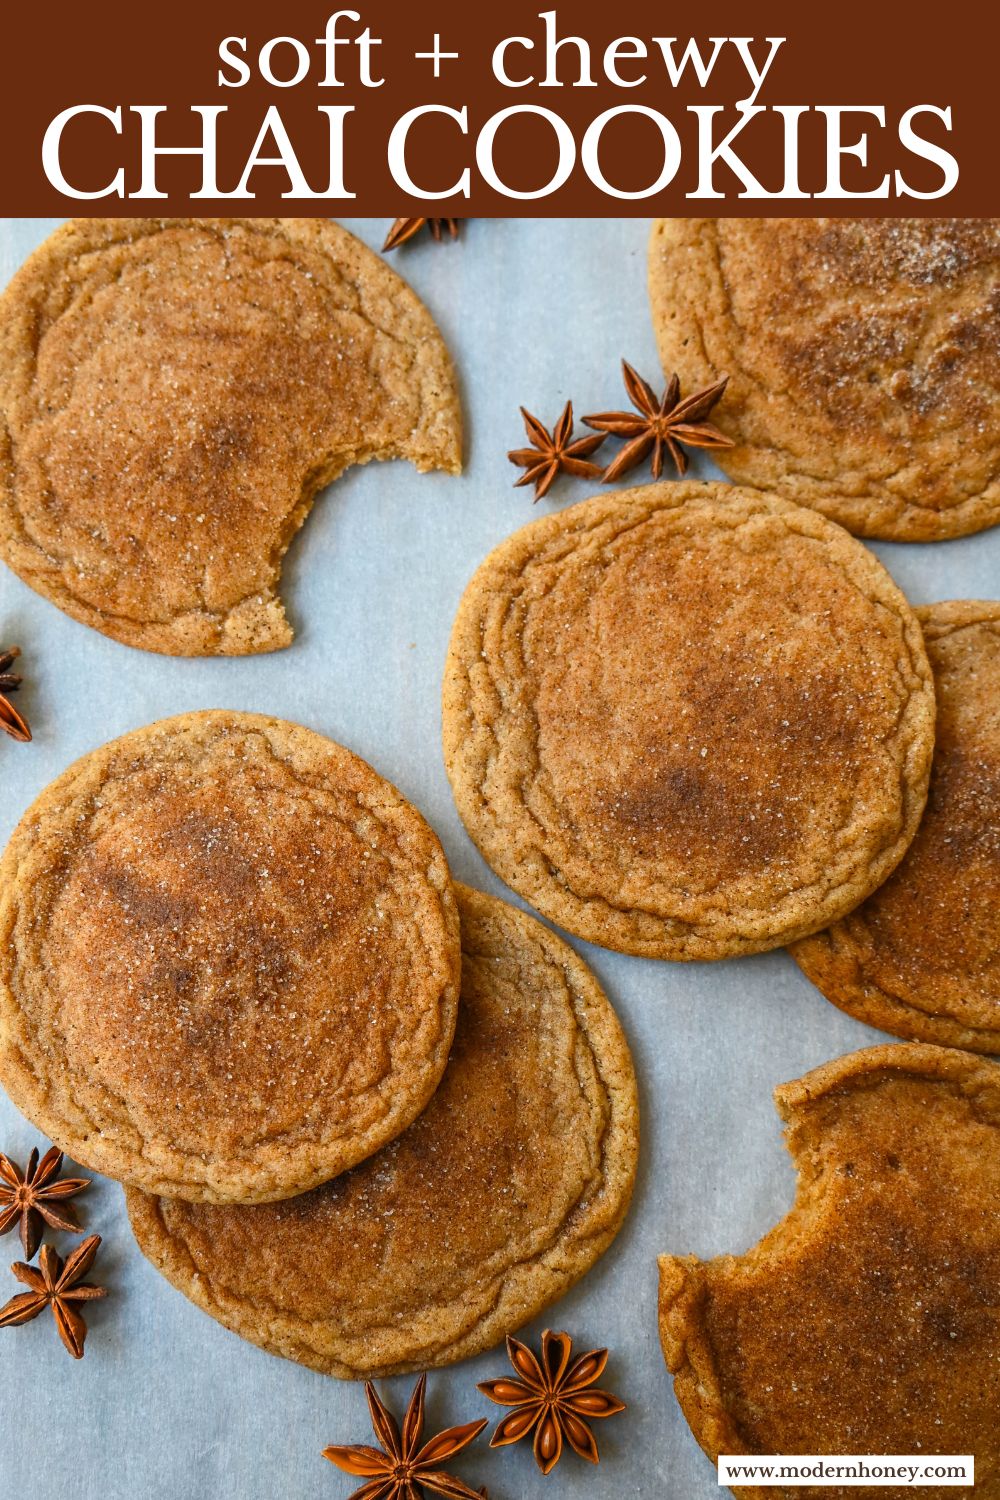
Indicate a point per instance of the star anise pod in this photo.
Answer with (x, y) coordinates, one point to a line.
(404, 1467)
(552, 1398)
(38, 1195)
(11, 721)
(553, 452)
(57, 1284)
(660, 425)
(404, 229)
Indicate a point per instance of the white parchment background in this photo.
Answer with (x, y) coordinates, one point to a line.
(167, 1405)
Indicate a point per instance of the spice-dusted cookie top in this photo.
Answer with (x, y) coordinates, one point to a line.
(509, 1186)
(863, 356)
(868, 1320)
(688, 720)
(173, 394)
(229, 959)
(921, 957)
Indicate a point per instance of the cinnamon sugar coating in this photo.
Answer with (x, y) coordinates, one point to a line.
(229, 959)
(504, 1192)
(173, 395)
(688, 720)
(863, 358)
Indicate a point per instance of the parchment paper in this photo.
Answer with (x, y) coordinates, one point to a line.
(167, 1404)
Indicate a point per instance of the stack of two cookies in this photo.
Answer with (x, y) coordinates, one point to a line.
(366, 1118)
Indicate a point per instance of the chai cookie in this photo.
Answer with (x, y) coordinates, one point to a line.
(229, 959)
(921, 957)
(173, 395)
(509, 1186)
(868, 1320)
(688, 720)
(863, 358)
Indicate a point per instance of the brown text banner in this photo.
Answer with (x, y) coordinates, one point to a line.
(518, 109)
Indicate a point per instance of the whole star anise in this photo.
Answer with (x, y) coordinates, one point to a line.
(660, 425)
(32, 1197)
(553, 452)
(552, 1398)
(404, 1467)
(404, 229)
(57, 1284)
(11, 721)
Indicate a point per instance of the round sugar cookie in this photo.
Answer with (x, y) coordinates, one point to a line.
(229, 959)
(688, 720)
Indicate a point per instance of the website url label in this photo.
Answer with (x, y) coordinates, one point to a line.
(849, 1469)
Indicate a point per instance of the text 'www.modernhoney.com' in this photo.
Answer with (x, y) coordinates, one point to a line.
(849, 1469)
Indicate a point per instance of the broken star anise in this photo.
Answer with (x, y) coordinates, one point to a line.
(552, 1398)
(11, 722)
(669, 424)
(404, 229)
(404, 1466)
(36, 1195)
(57, 1284)
(553, 452)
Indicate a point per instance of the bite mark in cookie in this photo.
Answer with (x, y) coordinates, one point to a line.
(173, 395)
(866, 1321)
